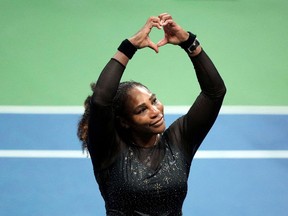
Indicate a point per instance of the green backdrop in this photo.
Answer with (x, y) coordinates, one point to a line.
(50, 51)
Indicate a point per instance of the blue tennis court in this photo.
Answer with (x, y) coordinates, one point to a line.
(40, 176)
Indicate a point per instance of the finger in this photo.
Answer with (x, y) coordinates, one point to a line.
(165, 17)
(154, 47)
(167, 22)
(162, 42)
(157, 25)
(156, 22)
(153, 21)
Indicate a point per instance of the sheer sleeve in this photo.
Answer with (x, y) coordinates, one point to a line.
(101, 130)
(191, 129)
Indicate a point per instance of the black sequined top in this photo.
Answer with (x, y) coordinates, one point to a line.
(149, 181)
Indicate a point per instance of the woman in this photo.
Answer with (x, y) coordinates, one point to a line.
(141, 167)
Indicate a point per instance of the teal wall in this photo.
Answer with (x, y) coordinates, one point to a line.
(50, 51)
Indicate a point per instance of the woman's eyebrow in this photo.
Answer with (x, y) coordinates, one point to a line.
(152, 96)
(143, 104)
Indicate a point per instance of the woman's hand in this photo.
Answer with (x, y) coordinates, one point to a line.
(141, 39)
(173, 33)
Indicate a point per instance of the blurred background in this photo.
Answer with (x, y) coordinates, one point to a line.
(52, 50)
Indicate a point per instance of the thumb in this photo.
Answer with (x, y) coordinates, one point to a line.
(162, 42)
(154, 47)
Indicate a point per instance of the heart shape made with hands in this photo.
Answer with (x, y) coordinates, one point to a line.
(173, 33)
(156, 35)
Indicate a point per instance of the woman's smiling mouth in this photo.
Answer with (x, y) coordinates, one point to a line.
(157, 123)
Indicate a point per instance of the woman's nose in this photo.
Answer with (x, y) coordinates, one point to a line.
(154, 111)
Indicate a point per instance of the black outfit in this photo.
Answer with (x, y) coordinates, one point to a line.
(149, 181)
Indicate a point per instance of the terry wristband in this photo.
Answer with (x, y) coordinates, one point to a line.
(127, 48)
(190, 44)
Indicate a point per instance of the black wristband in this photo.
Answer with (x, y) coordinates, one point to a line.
(190, 44)
(127, 48)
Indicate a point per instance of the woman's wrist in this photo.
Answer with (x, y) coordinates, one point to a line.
(127, 48)
(184, 36)
(191, 44)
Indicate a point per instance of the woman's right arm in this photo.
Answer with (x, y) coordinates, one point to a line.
(101, 130)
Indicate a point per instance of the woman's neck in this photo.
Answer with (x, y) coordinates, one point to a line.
(146, 142)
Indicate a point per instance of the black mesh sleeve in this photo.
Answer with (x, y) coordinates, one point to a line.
(101, 130)
(190, 130)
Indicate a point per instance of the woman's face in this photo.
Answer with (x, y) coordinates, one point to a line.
(144, 112)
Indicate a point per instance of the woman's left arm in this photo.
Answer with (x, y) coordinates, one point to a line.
(191, 129)
(204, 111)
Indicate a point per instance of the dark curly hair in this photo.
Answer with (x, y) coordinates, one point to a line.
(119, 101)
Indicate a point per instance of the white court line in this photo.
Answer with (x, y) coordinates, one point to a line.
(42, 154)
(41, 109)
(242, 154)
(202, 154)
(268, 110)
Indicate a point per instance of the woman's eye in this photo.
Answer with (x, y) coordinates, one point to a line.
(141, 111)
(155, 101)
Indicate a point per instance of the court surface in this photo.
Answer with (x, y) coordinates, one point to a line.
(241, 168)
(51, 51)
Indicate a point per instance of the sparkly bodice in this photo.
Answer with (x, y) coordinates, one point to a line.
(129, 187)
